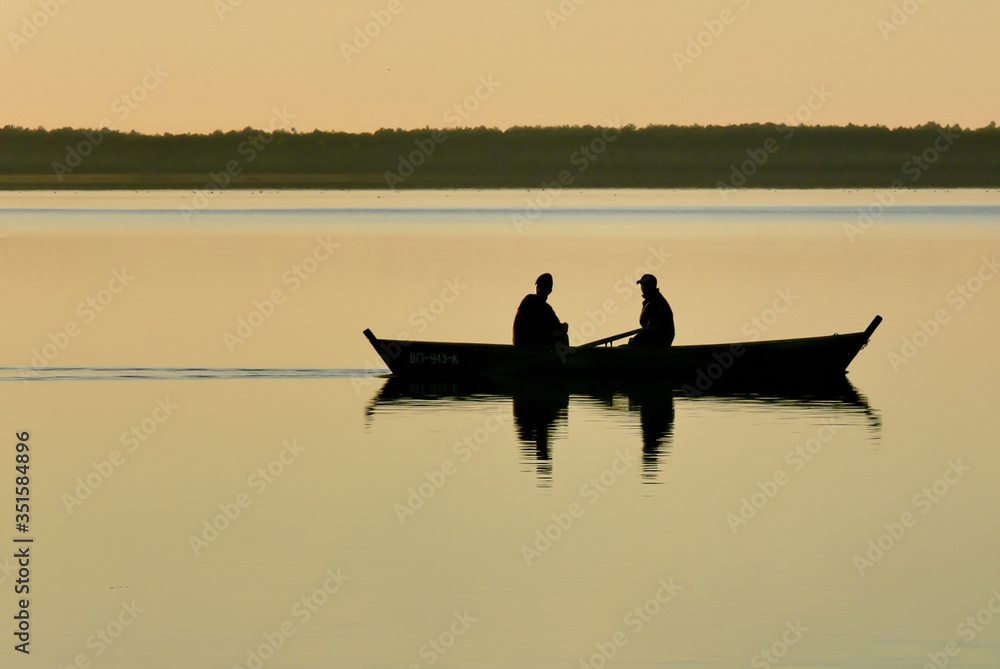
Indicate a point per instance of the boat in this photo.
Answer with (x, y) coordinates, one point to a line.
(694, 369)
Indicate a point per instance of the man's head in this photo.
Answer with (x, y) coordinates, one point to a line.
(648, 284)
(543, 285)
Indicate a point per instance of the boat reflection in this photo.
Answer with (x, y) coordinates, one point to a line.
(541, 409)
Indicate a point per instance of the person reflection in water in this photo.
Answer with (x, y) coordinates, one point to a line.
(536, 323)
(655, 406)
(656, 318)
(538, 409)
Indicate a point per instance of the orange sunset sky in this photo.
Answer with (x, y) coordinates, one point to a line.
(202, 65)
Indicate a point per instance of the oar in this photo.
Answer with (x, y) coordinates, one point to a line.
(609, 339)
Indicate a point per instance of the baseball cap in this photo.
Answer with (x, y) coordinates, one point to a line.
(647, 278)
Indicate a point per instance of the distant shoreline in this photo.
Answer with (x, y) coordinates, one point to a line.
(185, 181)
(660, 157)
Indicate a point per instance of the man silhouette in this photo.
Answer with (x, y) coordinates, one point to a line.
(536, 323)
(656, 317)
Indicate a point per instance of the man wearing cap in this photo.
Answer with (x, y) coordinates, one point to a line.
(536, 323)
(656, 317)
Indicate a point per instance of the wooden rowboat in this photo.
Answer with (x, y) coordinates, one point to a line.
(807, 361)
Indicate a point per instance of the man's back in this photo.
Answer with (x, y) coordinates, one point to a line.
(657, 315)
(535, 322)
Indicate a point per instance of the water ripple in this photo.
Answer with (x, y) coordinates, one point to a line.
(121, 373)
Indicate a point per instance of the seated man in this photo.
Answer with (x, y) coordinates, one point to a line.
(536, 323)
(656, 318)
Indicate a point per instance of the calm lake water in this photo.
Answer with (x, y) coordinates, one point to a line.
(220, 477)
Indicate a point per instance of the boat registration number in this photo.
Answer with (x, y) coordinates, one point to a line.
(434, 359)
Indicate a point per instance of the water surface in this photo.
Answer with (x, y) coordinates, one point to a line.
(253, 468)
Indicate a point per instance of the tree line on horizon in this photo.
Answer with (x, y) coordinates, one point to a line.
(748, 155)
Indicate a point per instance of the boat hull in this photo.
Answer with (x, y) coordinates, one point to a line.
(780, 361)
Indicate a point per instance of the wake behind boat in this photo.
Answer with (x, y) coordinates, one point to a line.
(808, 360)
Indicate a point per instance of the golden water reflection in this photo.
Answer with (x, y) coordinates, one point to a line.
(541, 409)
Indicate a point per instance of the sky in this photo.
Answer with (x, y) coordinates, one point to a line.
(201, 65)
